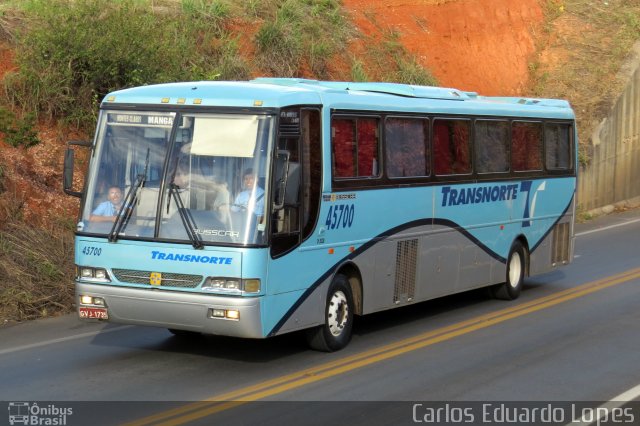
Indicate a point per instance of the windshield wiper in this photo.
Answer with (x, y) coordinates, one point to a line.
(185, 215)
(122, 217)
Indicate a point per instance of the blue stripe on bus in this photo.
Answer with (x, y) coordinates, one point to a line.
(421, 222)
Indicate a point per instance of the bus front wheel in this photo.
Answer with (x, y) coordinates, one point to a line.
(335, 333)
(511, 288)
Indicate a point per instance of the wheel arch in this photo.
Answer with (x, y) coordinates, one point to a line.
(527, 256)
(352, 272)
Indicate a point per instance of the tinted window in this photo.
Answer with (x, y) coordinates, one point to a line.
(451, 147)
(557, 146)
(355, 147)
(492, 146)
(407, 147)
(526, 146)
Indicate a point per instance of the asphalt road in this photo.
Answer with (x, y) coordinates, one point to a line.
(571, 337)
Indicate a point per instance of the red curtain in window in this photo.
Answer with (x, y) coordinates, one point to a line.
(534, 157)
(518, 148)
(343, 132)
(367, 147)
(441, 148)
(461, 142)
(526, 147)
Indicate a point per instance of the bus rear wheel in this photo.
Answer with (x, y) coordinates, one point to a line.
(335, 333)
(511, 288)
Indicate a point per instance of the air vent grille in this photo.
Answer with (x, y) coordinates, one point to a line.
(406, 265)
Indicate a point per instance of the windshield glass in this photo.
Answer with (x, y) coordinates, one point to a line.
(218, 171)
(130, 155)
(213, 190)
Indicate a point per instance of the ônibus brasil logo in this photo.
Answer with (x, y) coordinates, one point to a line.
(31, 414)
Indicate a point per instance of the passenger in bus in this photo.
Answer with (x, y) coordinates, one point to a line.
(252, 197)
(201, 192)
(180, 180)
(218, 190)
(108, 210)
(221, 194)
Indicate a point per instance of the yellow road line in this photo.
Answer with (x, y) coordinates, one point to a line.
(222, 402)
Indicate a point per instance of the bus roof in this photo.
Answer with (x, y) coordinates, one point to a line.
(282, 92)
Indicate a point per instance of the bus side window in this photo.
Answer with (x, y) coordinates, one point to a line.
(355, 147)
(452, 147)
(407, 147)
(343, 138)
(441, 149)
(462, 164)
(367, 147)
(492, 146)
(557, 146)
(526, 146)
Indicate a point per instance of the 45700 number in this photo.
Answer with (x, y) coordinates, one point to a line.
(91, 251)
(340, 216)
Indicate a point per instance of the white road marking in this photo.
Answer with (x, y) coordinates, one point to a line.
(61, 339)
(580, 234)
(607, 408)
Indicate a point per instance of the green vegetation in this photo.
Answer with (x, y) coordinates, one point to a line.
(297, 33)
(18, 131)
(71, 53)
(591, 40)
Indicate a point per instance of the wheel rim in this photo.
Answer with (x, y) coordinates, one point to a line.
(515, 270)
(337, 313)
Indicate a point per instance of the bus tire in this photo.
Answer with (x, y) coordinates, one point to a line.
(511, 288)
(335, 333)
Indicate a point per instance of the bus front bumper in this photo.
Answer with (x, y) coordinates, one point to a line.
(204, 313)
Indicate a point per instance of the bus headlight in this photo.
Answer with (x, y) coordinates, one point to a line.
(94, 275)
(90, 300)
(231, 285)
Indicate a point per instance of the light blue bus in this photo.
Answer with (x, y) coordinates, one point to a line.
(258, 208)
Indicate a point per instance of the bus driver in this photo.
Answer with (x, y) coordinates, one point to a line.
(107, 210)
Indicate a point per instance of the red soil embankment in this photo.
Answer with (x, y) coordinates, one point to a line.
(475, 45)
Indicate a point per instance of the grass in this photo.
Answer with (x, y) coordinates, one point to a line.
(592, 40)
(71, 54)
(36, 268)
(300, 34)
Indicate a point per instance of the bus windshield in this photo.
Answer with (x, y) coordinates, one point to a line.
(196, 178)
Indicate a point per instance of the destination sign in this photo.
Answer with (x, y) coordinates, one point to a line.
(142, 120)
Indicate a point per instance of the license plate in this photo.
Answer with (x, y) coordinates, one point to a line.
(93, 313)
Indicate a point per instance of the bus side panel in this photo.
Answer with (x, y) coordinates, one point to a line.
(556, 248)
(407, 250)
(475, 266)
(303, 309)
(440, 260)
(424, 263)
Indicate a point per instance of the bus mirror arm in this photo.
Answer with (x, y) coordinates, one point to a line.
(69, 161)
(282, 170)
